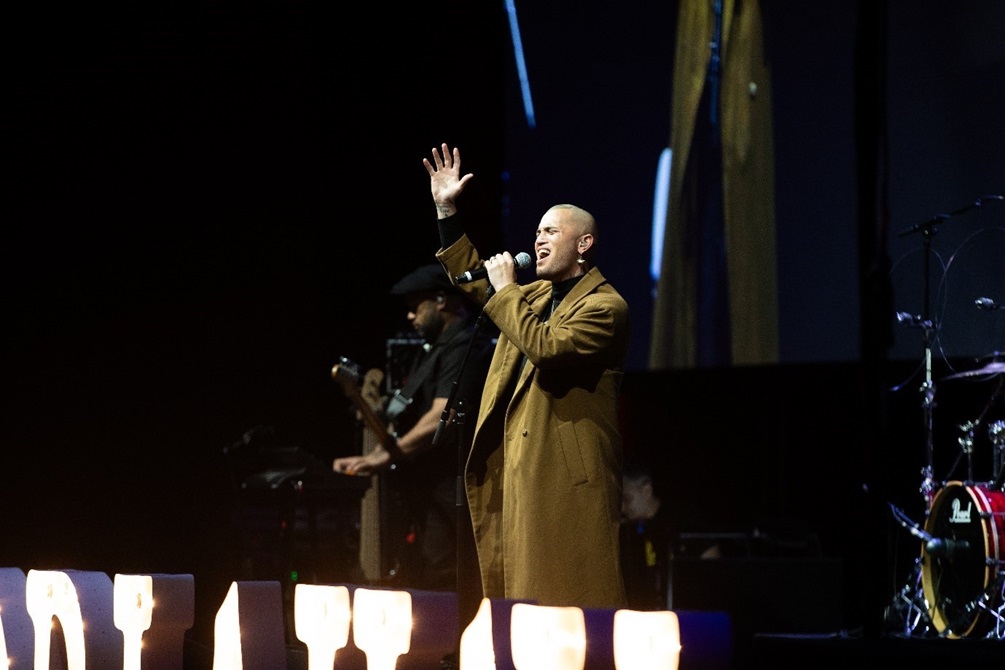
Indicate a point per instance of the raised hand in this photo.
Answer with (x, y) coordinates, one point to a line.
(445, 179)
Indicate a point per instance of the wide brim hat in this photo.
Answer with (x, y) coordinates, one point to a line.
(427, 278)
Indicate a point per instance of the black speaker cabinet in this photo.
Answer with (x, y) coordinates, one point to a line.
(775, 595)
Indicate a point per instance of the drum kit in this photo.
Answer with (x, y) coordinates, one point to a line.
(957, 586)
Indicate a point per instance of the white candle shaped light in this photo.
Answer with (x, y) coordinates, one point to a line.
(382, 626)
(321, 618)
(646, 640)
(548, 638)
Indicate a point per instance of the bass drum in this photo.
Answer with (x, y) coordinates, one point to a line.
(962, 564)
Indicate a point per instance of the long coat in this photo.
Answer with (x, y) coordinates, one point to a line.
(543, 477)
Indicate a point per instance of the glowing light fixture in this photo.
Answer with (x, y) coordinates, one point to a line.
(661, 197)
(477, 651)
(382, 625)
(548, 638)
(521, 64)
(134, 605)
(322, 615)
(153, 612)
(248, 631)
(51, 594)
(74, 597)
(646, 640)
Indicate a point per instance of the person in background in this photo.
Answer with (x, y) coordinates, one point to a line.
(649, 541)
(646, 540)
(426, 475)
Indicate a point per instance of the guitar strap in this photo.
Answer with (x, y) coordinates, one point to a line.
(396, 405)
(401, 400)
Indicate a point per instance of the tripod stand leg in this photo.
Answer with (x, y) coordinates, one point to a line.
(908, 614)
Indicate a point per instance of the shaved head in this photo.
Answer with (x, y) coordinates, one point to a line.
(581, 220)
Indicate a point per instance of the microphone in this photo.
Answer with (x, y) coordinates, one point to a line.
(940, 547)
(522, 260)
(987, 303)
(913, 320)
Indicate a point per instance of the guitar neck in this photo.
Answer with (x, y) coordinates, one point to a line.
(374, 434)
(373, 422)
(370, 441)
(371, 558)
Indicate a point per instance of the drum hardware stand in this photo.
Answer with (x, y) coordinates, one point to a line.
(911, 596)
(998, 632)
(909, 606)
(996, 433)
(909, 603)
(966, 442)
(992, 594)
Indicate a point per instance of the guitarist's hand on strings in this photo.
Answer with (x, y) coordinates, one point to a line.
(393, 448)
(363, 466)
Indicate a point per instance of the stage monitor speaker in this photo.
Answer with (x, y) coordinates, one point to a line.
(762, 595)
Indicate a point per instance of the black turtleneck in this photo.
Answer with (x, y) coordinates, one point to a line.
(558, 292)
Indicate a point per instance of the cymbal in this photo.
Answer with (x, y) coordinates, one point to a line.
(992, 368)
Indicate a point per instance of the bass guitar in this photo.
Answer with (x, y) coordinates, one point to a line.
(364, 393)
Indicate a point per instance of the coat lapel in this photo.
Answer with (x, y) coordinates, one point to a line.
(583, 287)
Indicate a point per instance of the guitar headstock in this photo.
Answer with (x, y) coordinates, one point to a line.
(367, 399)
(346, 374)
(370, 390)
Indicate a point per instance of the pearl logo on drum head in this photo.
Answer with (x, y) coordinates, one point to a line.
(958, 515)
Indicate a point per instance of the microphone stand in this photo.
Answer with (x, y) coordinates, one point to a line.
(928, 229)
(467, 569)
(909, 605)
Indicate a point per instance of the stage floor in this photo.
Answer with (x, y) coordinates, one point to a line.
(797, 651)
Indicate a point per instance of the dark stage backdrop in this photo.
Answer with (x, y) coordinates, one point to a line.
(205, 203)
(204, 206)
(600, 82)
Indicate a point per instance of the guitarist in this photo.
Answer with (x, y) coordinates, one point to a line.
(426, 474)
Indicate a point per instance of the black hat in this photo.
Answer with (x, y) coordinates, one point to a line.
(426, 278)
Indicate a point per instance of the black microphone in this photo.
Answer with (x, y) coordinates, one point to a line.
(913, 320)
(987, 303)
(522, 260)
(940, 547)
